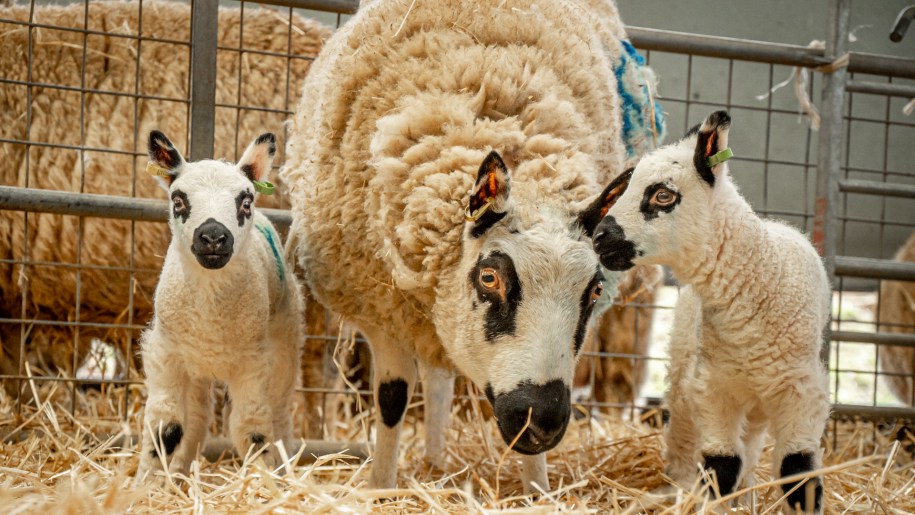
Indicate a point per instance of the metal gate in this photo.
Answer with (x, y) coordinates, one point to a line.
(835, 195)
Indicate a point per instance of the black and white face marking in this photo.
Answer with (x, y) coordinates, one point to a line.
(658, 198)
(593, 292)
(243, 203)
(181, 207)
(213, 244)
(497, 286)
(668, 205)
(222, 197)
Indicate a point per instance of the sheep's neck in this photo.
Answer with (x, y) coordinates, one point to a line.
(722, 266)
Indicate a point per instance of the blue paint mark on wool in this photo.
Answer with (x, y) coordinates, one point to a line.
(636, 113)
(272, 240)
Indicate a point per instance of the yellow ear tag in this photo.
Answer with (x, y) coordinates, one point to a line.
(156, 170)
(473, 217)
(264, 187)
(720, 157)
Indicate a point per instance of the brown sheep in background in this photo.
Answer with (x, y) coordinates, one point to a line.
(897, 315)
(108, 123)
(624, 328)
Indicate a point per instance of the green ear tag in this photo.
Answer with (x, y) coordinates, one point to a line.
(264, 187)
(156, 170)
(720, 157)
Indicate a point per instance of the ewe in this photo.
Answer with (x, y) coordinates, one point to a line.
(226, 308)
(405, 119)
(745, 346)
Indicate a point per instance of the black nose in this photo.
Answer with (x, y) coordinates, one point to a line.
(213, 244)
(548, 406)
(610, 243)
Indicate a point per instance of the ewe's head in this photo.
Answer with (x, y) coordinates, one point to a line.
(667, 206)
(211, 201)
(526, 285)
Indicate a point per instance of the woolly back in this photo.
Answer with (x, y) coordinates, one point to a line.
(408, 98)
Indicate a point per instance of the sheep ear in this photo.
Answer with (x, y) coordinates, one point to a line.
(489, 201)
(164, 156)
(258, 157)
(712, 145)
(597, 209)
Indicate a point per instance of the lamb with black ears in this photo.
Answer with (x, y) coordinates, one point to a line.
(748, 325)
(225, 309)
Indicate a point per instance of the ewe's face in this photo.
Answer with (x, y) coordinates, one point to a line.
(211, 201)
(666, 206)
(523, 301)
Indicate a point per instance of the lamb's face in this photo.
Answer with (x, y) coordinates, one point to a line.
(666, 207)
(521, 308)
(211, 211)
(211, 201)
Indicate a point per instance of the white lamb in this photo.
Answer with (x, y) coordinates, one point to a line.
(745, 346)
(225, 309)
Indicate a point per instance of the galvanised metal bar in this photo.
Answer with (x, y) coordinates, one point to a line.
(877, 188)
(829, 157)
(887, 339)
(204, 22)
(726, 48)
(766, 52)
(875, 268)
(877, 88)
(329, 6)
(105, 206)
(872, 412)
(875, 64)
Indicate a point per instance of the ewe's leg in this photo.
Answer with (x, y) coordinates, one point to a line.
(394, 377)
(251, 421)
(533, 472)
(166, 382)
(196, 424)
(438, 394)
(799, 413)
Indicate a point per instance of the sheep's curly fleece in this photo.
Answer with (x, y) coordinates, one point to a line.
(897, 311)
(396, 117)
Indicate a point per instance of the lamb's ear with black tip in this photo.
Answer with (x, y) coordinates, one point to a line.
(711, 139)
(489, 200)
(258, 157)
(162, 152)
(597, 209)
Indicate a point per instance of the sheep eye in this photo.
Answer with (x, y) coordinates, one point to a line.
(246, 205)
(664, 197)
(178, 202)
(596, 292)
(489, 278)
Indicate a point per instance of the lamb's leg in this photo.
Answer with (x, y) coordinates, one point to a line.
(251, 420)
(754, 434)
(681, 438)
(720, 418)
(166, 382)
(681, 434)
(196, 425)
(799, 417)
(394, 377)
(286, 341)
(533, 472)
(438, 394)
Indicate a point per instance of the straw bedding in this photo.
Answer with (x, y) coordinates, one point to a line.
(602, 466)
